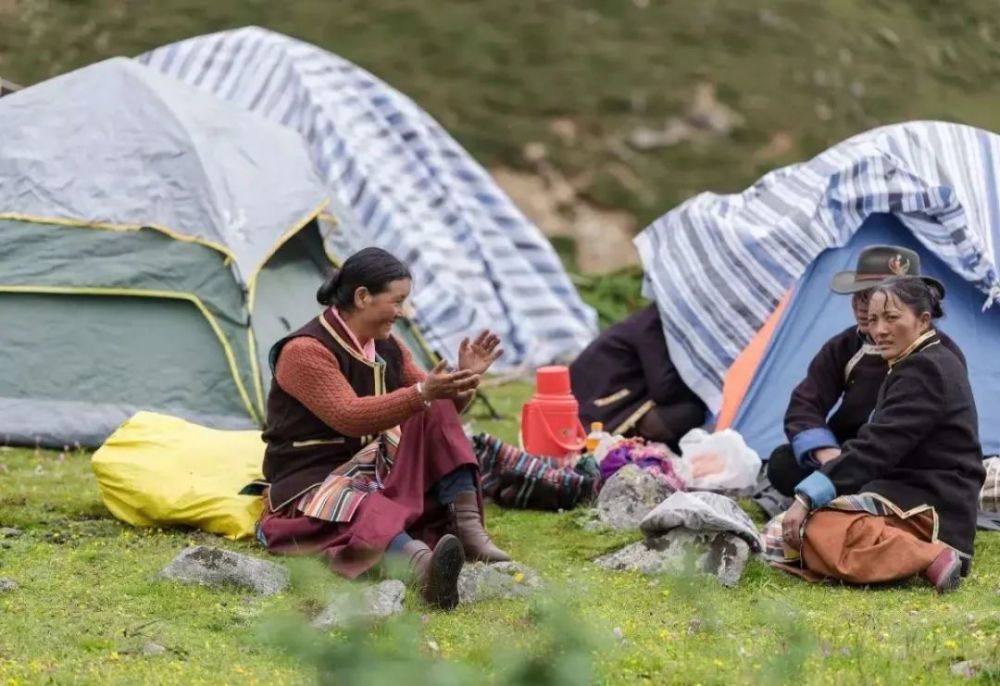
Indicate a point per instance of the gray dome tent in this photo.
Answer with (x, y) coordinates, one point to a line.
(156, 242)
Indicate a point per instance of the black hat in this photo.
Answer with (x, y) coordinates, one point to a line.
(877, 263)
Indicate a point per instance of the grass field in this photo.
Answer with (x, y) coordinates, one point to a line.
(500, 74)
(87, 603)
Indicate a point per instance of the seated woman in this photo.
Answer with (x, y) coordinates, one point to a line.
(839, 392)
(625, 380)
(366, 453)
(900, 500)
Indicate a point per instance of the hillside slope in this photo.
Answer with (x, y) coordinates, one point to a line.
(584, 89)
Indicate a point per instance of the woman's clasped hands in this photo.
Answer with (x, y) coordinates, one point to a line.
(475, 357)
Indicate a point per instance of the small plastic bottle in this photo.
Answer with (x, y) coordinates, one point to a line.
(597, 433)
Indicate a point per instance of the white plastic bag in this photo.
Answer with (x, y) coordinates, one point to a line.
(719, 461)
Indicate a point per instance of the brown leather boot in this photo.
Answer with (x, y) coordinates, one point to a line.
(468, 523)
(436, 572)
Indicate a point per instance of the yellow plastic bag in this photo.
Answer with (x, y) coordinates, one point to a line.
(156, 470)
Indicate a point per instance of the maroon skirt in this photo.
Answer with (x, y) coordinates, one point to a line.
(432, 444)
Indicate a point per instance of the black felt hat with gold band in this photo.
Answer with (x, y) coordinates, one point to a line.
(877, 263)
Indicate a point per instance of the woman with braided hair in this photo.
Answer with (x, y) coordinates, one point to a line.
(366, 455)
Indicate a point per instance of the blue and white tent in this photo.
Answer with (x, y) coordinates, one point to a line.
(477, 261)
(718, 266)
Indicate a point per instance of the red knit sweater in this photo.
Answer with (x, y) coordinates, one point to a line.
(309, 373)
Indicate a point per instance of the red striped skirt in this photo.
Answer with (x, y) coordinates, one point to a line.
(369, 500)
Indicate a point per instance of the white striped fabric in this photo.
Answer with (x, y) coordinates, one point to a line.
(717, 265)
(477, 261)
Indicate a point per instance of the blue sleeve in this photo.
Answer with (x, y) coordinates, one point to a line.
(818, 488)
(804, 442)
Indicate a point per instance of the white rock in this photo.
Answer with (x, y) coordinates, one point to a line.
(501, 580)
(365, 606)
(153, 649)
(629, 495)
(216, 567)
(965, 669)
(722, 555)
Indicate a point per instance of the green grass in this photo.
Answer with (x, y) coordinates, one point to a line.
(496, 74)
(88, 602)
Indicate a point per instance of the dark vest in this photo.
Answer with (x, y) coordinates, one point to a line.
(627, 370)
(301, 449)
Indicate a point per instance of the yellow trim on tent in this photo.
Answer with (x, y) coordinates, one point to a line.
(333, 260)
(258, 384)
(252, 297)
(329, 216)
(142, 293)
(122, 228)
(251, 284)
(332, 219)
(284, 238)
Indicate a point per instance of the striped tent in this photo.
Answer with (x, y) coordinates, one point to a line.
(476, 259)
(718, 265)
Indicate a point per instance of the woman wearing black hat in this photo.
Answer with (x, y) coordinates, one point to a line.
(847, 370)
(900, 499)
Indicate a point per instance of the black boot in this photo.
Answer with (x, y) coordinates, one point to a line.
(436, 571)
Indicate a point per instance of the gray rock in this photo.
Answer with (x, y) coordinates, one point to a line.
(501, 580)
(216, 567)
(890, 37)
(364, 606)
(965, 669)
(722, 555)
(673, 132)
(7, 585)
(151, 649)
(701, 511)
(10, 532)
(628, 496)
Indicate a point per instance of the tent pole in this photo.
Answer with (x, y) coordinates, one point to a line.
(484, 399)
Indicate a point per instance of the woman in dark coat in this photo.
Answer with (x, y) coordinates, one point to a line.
(840, 389)
(626, 380)
(900, 500)
(365, 452)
